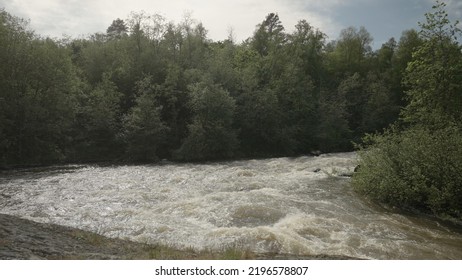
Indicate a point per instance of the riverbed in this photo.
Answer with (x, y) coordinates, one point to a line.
(296, 206)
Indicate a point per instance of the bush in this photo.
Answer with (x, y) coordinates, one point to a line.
(415, 169)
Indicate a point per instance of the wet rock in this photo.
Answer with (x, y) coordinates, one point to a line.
(316, 153)
(346, 174)
(274, 256)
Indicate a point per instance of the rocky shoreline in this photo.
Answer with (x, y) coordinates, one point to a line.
(22, 239)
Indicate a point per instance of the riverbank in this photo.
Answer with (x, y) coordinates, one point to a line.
(24, 239)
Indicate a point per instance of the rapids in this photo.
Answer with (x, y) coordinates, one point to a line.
(301, 205)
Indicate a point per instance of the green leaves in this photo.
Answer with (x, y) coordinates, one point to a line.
(416, 165)
(352, 50)
(437, 25)
(269, 35)
(37, 87)
(97, 123)
(211, 135)
(147, 89)
(117, 29)
(435, 74)
(414, 169)
(143, 129)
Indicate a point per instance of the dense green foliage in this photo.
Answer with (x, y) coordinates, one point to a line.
(149, 89)
(417, 164)
(414, 169)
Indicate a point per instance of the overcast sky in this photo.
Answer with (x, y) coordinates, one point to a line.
(382, 18)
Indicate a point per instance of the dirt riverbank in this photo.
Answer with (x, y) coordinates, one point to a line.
(24, 239)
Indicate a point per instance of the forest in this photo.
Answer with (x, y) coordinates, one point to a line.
(148, 89)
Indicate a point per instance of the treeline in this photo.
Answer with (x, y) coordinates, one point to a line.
(149, 89)
(416, 164)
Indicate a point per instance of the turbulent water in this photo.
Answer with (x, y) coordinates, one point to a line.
(299, 205)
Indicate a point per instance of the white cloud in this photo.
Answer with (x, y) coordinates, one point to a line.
(242, 15)
(83, 17)
(455, 8)
(73, 17)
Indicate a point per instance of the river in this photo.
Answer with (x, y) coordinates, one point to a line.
(301, 206)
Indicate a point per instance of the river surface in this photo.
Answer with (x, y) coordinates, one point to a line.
(299, 205)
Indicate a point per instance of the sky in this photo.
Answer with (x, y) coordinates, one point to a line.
(382, 18)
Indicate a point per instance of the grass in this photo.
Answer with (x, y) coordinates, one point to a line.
(237, 254)
(130, 250)
(89, 237)
(161, 252)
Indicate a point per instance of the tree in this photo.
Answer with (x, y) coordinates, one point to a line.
(351, 50)
(352, 88)
(333, 133)
(155, 89)
(306, 48)
(269, 35)
(211, 135)
(221, 65)
(137, 24)
(261, 124)
(435, 74)
(117, 29)
(143, 129)
(168, 102)
(15, 42)
(415, 165)
(98, 123)
(381, 108)
(296, 109)
(37, 95)
(407, 44)
(173, 43)
(385, 55)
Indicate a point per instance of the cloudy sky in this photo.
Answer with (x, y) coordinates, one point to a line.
(382, 18)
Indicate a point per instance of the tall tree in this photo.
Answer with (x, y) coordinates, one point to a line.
(143, 129)
(417, 165)
(435, 74)
(37, 91)
(306, 48)
(351, 50)
(98, 123)
(269, 34)
(211, 135)
(117, 29)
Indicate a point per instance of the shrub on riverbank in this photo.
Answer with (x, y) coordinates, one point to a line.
(415, 169)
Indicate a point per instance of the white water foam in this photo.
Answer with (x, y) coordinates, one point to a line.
(285, 205)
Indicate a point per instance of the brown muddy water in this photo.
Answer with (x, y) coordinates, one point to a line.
(301, 206)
